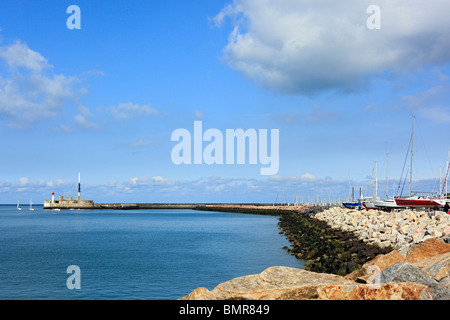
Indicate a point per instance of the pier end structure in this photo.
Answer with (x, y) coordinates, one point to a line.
(69, 202)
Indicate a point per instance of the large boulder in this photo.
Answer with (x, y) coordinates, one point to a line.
(283, 283)
(275, 283)
(427, 249)
(377, 264)
(406, 272)
(437, 267)
(385, 291)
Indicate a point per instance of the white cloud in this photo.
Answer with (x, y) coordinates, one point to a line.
(82, 119)
(306, 177)
(24, 181)
(29, 94)
(146, 181)
(19, 55)
(125, 111)
(438, 113)
(26, 184)
(141, 144)
(433, 103)
(63, 128)
(302, 117)
(159, 179)
(112, 183)
(58, 183)
(306, 187)
(306, 46)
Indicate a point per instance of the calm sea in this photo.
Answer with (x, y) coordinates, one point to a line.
(142, 254)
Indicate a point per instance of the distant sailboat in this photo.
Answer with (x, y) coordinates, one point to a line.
(18, 206)
(31, 205)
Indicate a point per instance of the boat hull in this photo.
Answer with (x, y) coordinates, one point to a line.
(351, 205)
(369, 205)
(419, 202)
(386, 204)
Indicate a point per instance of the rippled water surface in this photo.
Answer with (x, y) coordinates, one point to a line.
(137, 254)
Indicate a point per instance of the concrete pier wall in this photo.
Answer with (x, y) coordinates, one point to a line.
(87, 204)
(118, 206)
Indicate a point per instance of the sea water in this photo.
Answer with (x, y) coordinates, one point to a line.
(132, 254)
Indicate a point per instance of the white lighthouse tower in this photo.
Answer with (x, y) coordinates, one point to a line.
(79, 187)
(69, 202)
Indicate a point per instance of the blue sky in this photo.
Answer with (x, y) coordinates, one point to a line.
(104, 100)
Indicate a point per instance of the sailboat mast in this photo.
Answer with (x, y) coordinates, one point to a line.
(349, 186)
(373, 183)
(410, 167)
(447, 164)
(387, 175)
(376, 181)
(448, 167)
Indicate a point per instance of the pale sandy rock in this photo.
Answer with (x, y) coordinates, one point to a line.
(386, 291)
(378, 264)
(437, 266)
(283, 283)
(275, 283)
(407, 272)
(429, 248)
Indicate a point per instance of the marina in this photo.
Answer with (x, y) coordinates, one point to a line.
(414, 200)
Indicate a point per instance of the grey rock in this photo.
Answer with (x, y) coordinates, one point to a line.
(406, 272)
(445, 281)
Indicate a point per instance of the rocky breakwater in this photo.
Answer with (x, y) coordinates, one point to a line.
(326, 249)
(421, 273)
(399, 229)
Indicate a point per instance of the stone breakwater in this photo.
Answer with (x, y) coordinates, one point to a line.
(256, 209)
(399, 229)
(325, 249)
(415, 265)
(421, 274)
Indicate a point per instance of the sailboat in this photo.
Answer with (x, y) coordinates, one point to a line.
(368, 203)
(351, 204)
(31, 206)
(387, 203)
(18, 206)
(420, 202)
(417, 201)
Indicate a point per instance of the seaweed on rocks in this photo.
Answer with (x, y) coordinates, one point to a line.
(326, 249)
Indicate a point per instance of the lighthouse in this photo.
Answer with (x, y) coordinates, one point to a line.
(79, 187)
(69, 202)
